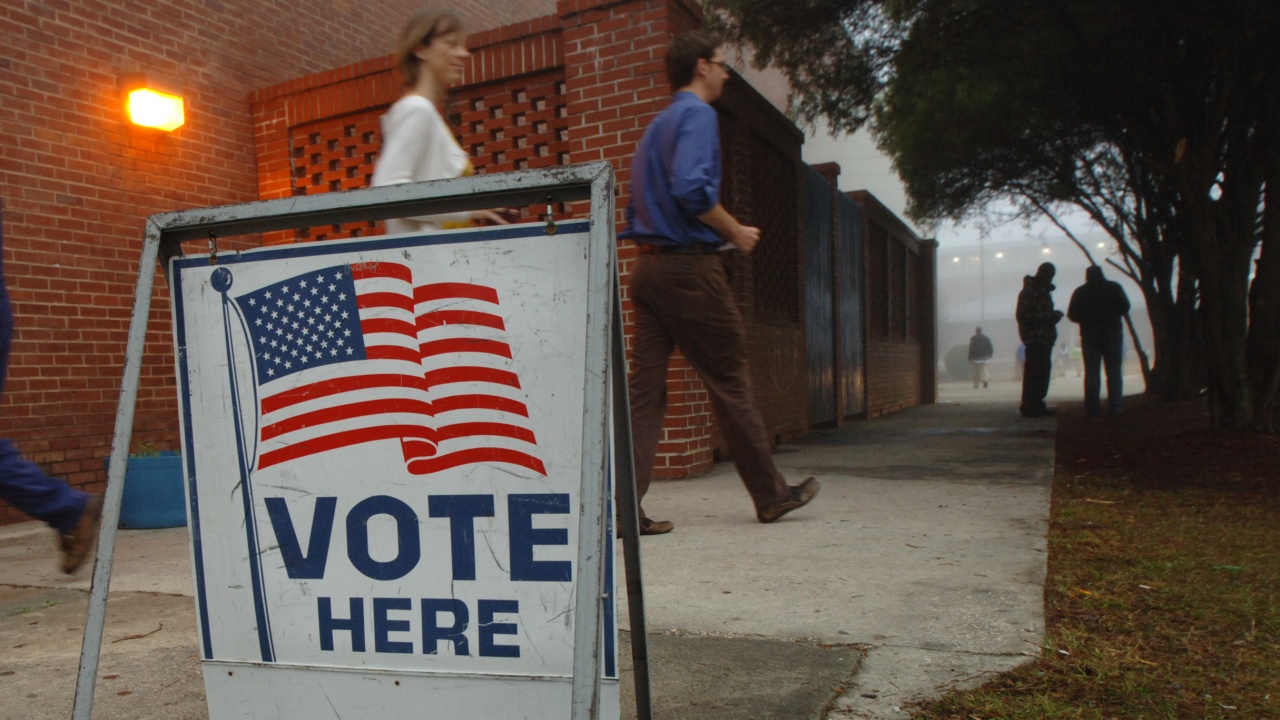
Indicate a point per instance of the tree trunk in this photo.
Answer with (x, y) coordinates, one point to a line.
(1224, 293)
(1191, 375)
(1177, 336)
(1264, 305)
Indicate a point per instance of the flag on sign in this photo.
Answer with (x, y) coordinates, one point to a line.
(358, 353)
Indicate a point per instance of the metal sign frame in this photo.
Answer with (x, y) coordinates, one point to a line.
(605, 389)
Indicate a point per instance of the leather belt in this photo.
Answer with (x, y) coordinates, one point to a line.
(695, 249)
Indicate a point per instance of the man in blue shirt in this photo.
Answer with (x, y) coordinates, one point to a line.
(679, 287)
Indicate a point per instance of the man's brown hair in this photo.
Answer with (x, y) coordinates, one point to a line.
(683, 55)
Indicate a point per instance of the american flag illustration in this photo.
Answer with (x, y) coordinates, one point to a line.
(358, 353)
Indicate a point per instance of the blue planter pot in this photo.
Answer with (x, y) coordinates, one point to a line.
(153, 493)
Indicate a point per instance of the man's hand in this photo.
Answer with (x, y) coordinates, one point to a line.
(744, 237)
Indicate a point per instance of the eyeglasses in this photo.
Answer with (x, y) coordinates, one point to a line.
(727, 68)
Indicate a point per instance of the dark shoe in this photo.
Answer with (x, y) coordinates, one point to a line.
(77, 542)
(800, 496)
(649, 526)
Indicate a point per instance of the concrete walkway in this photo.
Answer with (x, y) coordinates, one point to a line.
(919, 567)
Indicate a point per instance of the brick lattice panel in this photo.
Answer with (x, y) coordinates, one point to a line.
(330, 156)
(516, 124)
(577, 87)
(78, 183)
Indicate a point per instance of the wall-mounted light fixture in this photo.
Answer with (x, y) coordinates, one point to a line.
(152, 102)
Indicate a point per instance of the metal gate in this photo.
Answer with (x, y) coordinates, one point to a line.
(852, 301)
(819, 302)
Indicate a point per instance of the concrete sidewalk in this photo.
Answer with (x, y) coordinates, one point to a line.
(918, 568)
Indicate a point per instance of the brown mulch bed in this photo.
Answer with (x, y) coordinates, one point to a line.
(1168, 445)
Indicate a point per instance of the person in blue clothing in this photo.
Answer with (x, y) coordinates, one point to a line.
(679, 286)
(73, 513)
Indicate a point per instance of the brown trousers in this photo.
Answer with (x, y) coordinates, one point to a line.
(685, 301)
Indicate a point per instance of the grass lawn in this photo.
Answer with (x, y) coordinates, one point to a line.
(1163, 592)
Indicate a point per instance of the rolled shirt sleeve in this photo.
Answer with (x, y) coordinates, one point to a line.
(675, 175)
(695, 161)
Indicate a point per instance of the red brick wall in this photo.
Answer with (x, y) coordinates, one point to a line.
(321, 133)
(901, 325)
(77, 183)
(893, 369)
(578, 86)
(616, 81)
(617, 103)
(269, 116)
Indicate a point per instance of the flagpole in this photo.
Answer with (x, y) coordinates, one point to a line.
(221, 281)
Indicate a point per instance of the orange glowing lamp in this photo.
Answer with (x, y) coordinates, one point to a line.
(151, 108)
(152, 101)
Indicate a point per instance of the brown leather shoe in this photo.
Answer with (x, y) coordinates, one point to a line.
(649, 526)
(800, 496)
(77, 542)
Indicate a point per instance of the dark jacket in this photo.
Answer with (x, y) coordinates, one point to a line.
(1037, 320)
(980, 348)
(1098, 306)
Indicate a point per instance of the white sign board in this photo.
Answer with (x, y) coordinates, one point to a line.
(383, 444)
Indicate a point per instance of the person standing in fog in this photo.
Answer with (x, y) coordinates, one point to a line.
(1063, 359)
(980, 352)
(1099, 306)
(1037, 326)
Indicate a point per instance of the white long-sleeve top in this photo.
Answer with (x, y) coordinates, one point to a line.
(416, 146)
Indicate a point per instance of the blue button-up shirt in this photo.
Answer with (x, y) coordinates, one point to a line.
(675, 175)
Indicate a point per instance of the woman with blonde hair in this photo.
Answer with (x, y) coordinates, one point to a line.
(416, 142)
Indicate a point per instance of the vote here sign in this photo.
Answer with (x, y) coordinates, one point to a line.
(383, 441)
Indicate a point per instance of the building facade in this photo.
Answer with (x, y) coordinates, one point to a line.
(282, 105)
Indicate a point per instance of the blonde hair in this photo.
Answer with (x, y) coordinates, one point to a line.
(423, 27)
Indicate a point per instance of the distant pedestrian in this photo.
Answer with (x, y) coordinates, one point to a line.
(1063, 359)
(1037, 325)
(1077, 358)
(1019, 361)
(680, 288)
(73, 513)
(1099, 306)
(980, 352)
